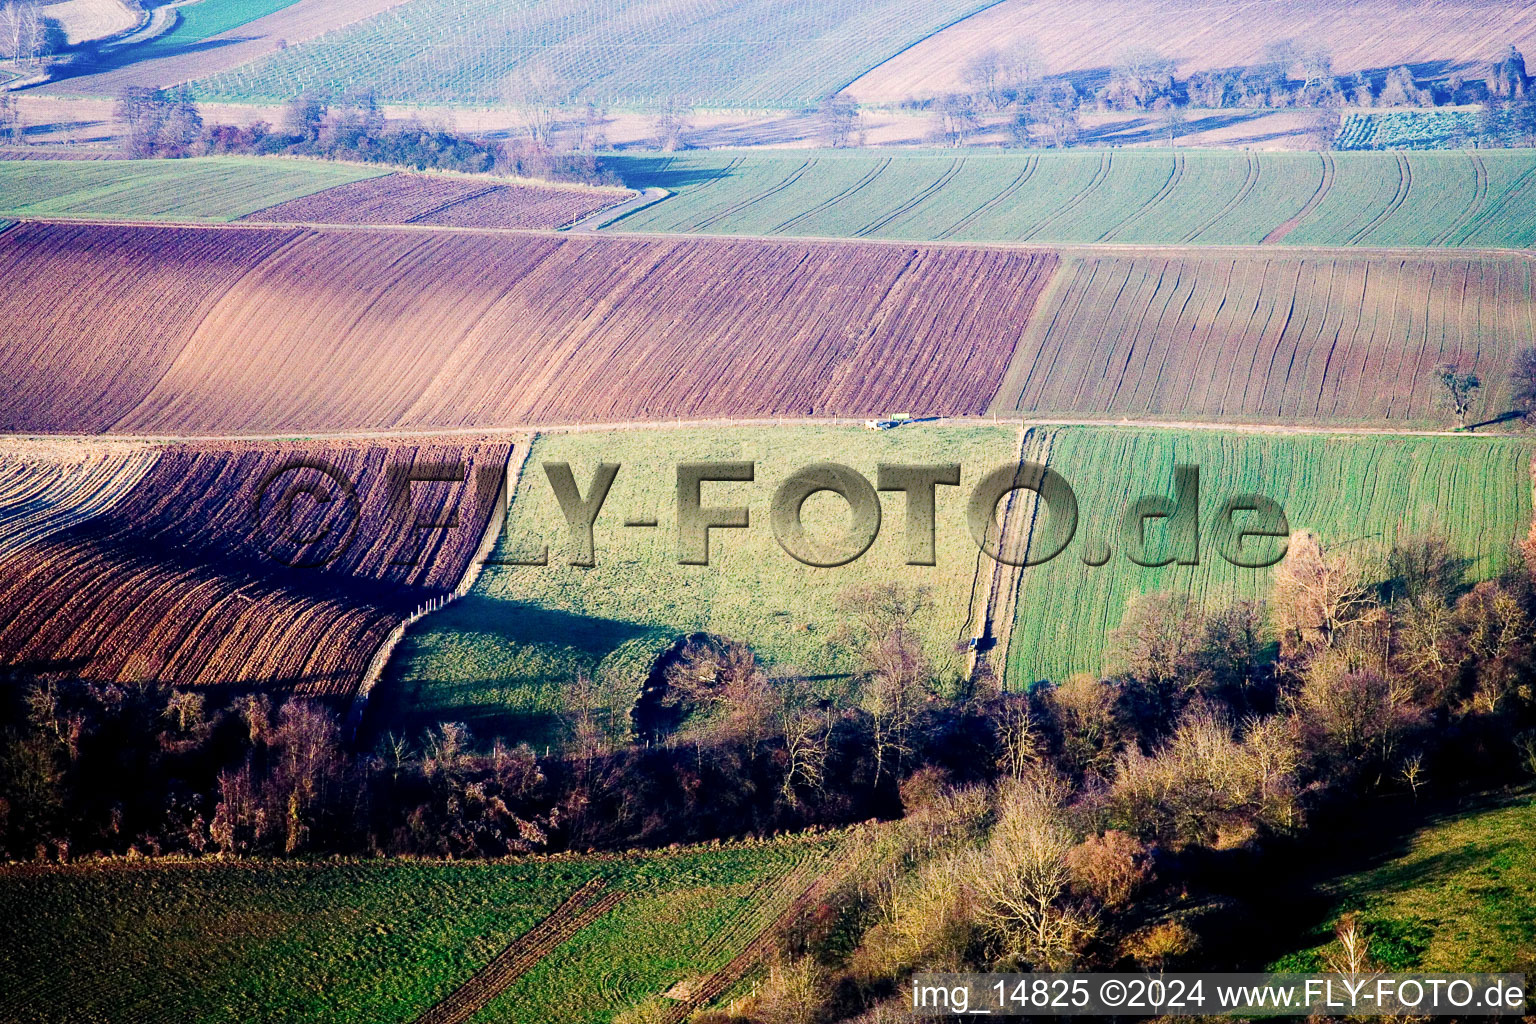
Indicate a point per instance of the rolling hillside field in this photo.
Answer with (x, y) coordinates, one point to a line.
(1355, 493)
(629, 53)
(1272, 338)
(380, 941)
(1089, 196)
(1082, 37)
(506, 654)
(200, 575)
(273, 330)
(201, 189)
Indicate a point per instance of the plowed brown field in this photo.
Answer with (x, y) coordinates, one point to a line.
(352, 330)
(1287, 339)
(194, 578)
(456, 202)
(88, 332)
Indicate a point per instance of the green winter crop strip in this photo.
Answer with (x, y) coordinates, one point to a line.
(1356, 493)
(208, 188)
(380, 941)
(1133, 196)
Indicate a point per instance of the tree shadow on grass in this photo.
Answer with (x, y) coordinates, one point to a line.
(654, 172)
(138, 53)
(537, 653)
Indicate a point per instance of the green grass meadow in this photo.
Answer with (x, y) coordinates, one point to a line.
(203, 20)
(201, 189)
(1356, 493)
(372, 941)
(1458, 898)
(502, 659)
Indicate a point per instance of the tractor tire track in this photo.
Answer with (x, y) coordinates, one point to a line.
(580, 909)
(827, 204)
(1404, 183)
(1100, 176)
(1474, 208)
(1175, 178)
(737, 207)
(1323, 188)
(906, 207)
(991, 204)
(1245, 190)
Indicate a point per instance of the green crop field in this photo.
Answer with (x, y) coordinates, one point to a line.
(203, 189)
(503, 658)
(627, 53)
(1356, 493)
(1459, 898)
(378, 941)
(1137, 196)
(203, 20)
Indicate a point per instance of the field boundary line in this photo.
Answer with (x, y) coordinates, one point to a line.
(979, 420)
(917, 42)
(1426, 252)
(524, 952)
(380, 660)
(1309, 207)
(1037, 332)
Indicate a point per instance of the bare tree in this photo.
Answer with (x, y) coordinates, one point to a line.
(1054, 108)
(1323, 130)
(1458, 387)
(1020, 743)
(1316, 67)
(1411, 771)
(590, 133)
(1174, 121)
(954, 120)
(1316, 594)
(1157, 637)
(894, 669)
(537, 95)
(24, 33)
(12, 132)
(1024, 876)
(806, 733)
(838, 117)
(672, 124)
